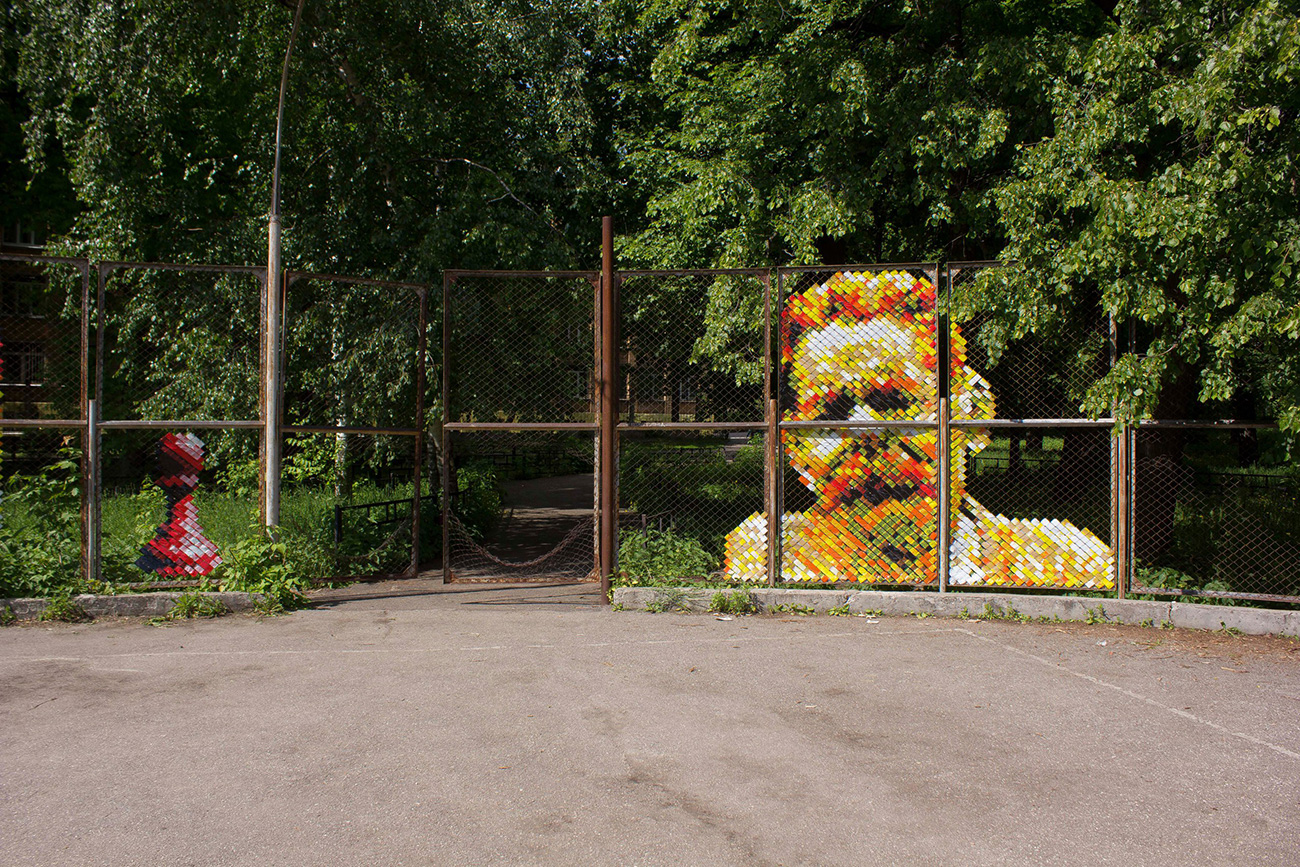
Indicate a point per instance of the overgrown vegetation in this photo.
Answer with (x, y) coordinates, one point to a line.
(736, 602)
(40, 529)
(698, 490)
(647, 556)
(62, 608)
(190, 605)
(40, 535)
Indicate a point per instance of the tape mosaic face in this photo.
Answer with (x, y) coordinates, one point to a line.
(860, 348)
(179, 548)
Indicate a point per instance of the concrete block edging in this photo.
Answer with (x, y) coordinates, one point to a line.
(1131, 612)
(128, 604)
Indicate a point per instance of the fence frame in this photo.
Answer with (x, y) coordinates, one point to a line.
(601, 288)
(273, 477)
(97, 424)
(85, 421)
(932, 271)
(608, 426)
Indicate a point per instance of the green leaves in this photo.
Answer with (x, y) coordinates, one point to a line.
(1167, 190)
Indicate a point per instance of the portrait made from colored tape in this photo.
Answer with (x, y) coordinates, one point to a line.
(860, 348)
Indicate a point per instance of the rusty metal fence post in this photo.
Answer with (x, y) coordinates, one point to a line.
(772, 491)
(943, 333)
(608, 467)
(93, 476)
(420, 424)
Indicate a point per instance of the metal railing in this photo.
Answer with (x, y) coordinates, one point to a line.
(791, 425)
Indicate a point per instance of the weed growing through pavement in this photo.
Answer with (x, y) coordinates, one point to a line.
(735, 602)
(668, 599)
(189, 605)
(63, 609)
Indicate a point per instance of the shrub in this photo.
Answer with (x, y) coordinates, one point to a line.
(276, 569)
(63, 609)
(40, 539)
(191, 604)
(644, 555)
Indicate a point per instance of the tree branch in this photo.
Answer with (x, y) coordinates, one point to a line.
(507, 192)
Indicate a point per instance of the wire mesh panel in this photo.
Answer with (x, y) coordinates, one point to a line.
(40, 509)
(520, 348)
(180, 343)
(176, 505)
(350, 497)
(522, 506)
(1031, 507)
(42, 339)
(691, 505)
(351, 353)
(1215, 511)
(859, 393)
(860, 505)
(859, 345)
(692, 347)
(1029, 377)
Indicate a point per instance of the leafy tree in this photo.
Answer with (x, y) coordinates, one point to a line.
(1167, 192)
(808, 131)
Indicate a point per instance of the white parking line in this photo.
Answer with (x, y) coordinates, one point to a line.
(1056, 666)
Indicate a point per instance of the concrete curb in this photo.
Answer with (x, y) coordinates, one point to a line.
(128, 604)
(1133, 612)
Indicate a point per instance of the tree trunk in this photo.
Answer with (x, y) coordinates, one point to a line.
(1160, 474)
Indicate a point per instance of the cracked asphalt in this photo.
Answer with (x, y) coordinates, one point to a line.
(420, 724)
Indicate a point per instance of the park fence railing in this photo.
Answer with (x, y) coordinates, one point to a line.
(873, 425)
(133, 421)
(859, 425)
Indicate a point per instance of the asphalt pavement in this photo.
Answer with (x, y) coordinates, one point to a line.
(421, 724)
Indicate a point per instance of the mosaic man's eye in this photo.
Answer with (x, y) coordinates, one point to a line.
(839, 409)
(888, 401)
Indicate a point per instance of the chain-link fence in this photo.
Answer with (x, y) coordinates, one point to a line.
(692, 347)
(44, 375)
(44, 322)
(177, 475)
(859, 401)
(519, 348)
(1043, 375)
(131, 451)
(1215, 512)
(354, 374)
(1031, 475)
(519, 444)
(521, 505)
(691, 505)
(693, 436)
(878, 424)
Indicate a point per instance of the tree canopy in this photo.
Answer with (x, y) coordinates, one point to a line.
(1132, 158)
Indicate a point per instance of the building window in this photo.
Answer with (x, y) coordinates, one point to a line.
(22, 298)
(19, 235)
(579, 384)
(22, 364)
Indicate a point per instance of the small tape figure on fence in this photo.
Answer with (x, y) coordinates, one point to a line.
(179, 547)
(860, 349)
